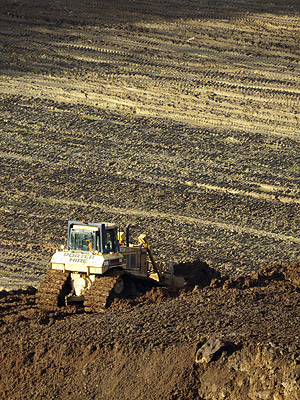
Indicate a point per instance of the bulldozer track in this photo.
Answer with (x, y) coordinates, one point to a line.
(101, 294)
(53, 289)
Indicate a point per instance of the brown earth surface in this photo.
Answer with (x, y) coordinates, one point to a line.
(149, 349)
(182, 118)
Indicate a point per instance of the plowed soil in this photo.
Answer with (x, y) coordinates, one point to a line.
(181, 118)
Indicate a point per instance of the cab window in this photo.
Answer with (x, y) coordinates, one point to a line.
(109, 241)
(82, 240)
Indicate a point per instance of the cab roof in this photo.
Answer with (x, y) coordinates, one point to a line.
(108, 225)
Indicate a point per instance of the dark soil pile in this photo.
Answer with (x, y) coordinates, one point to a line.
(196, 272)
(247, 335)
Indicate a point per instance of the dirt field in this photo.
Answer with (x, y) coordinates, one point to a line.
(151, 350)
(181, 118)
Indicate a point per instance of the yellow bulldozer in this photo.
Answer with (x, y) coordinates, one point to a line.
(99, 263)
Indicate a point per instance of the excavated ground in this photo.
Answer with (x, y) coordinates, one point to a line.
(146, 349)
(182, 118)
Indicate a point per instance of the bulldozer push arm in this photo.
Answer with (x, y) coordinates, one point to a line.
(145, 242)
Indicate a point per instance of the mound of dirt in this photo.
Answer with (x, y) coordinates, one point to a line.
(228, 342)
(196, 273)
(157, 295)
(289, 272)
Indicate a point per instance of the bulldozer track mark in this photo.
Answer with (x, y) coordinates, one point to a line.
(91, 48)
(187, 116)
(189, 219)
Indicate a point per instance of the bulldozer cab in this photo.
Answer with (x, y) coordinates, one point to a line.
(92, 237)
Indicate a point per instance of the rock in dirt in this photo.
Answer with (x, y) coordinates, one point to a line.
(209, 350)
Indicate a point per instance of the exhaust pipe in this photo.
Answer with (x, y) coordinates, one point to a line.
(127, 234)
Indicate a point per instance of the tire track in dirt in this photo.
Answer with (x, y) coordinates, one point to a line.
(259, 194)
(211, 84)
(175, 217)
(64, 92)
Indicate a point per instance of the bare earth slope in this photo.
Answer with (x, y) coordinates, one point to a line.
(150, 351)
(181, 117)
